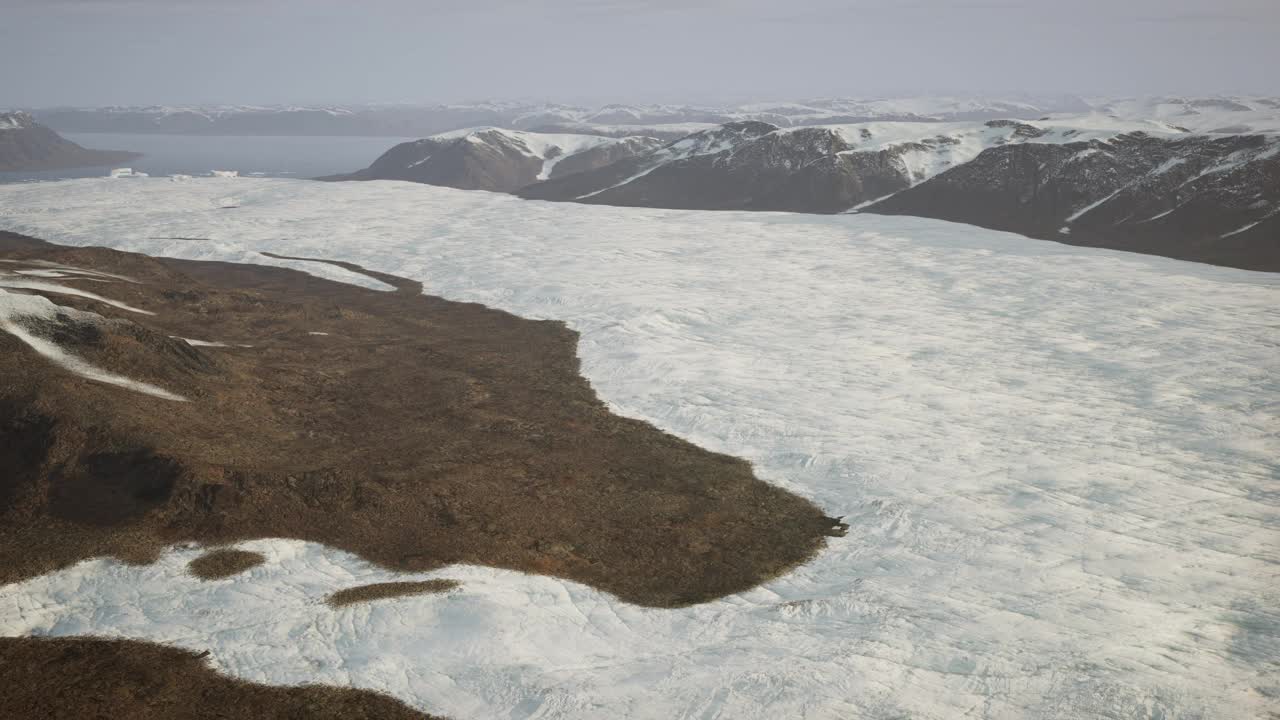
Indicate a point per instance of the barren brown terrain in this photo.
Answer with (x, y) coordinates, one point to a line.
(90, 679)
(223, 563)
(413, 431)
(386, 591)
(416, 433)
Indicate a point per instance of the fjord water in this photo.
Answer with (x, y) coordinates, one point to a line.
(282, 156)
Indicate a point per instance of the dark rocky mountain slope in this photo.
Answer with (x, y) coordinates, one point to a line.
(1209, 198)
(499, 160)
(28, 145)
(1204, 198)
(746, 166)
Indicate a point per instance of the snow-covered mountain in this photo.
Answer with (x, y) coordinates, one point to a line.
(421, 120)
(758, 166)
(739, 165)
(839, 154)
(1144, 185)
(27, 145)
(669, 132)
(1201, 197)
(16, 121)
(915, 109)
(497, 159)
(1211, 114)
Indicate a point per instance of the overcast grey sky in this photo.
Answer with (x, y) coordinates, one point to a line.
(97, 52)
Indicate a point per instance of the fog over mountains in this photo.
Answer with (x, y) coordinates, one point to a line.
(402, 120)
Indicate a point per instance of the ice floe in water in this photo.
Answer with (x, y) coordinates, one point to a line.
(1058, 464)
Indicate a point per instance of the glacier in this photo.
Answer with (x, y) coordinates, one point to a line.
(1058, 464)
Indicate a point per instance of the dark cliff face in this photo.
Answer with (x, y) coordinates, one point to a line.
(27, 145)
(603, 155)
(489, 162)
(492, 159)
(740, 166)
(628, 183)
(1210, 199)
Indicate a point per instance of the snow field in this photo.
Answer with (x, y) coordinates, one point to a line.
(1058, 464)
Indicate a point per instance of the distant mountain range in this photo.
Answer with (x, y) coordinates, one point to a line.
(1130, 176)
(415, 120)
(1190, 177)
(27, 145)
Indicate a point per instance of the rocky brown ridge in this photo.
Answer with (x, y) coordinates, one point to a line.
(416, 433)
(87, 679)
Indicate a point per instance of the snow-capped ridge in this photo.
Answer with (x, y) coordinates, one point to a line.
(498, 159)
(16, 120)
(19, 310)
(403, 119)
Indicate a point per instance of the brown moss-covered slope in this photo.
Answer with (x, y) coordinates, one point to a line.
(87, 679)
(416, 433)
(224, 563)
(388, 590)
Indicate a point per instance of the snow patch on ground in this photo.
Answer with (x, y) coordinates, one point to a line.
(15, 121)
(201, 343)
(15, 307)
(46, 269)
(1251, 225)
(16, 283)
(1058, 464)
(1168, 165)
(1093, 205)
(551, 148)
(710, 142)
(1202, 115)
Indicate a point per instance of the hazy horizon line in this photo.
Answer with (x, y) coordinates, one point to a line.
(708, 103)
